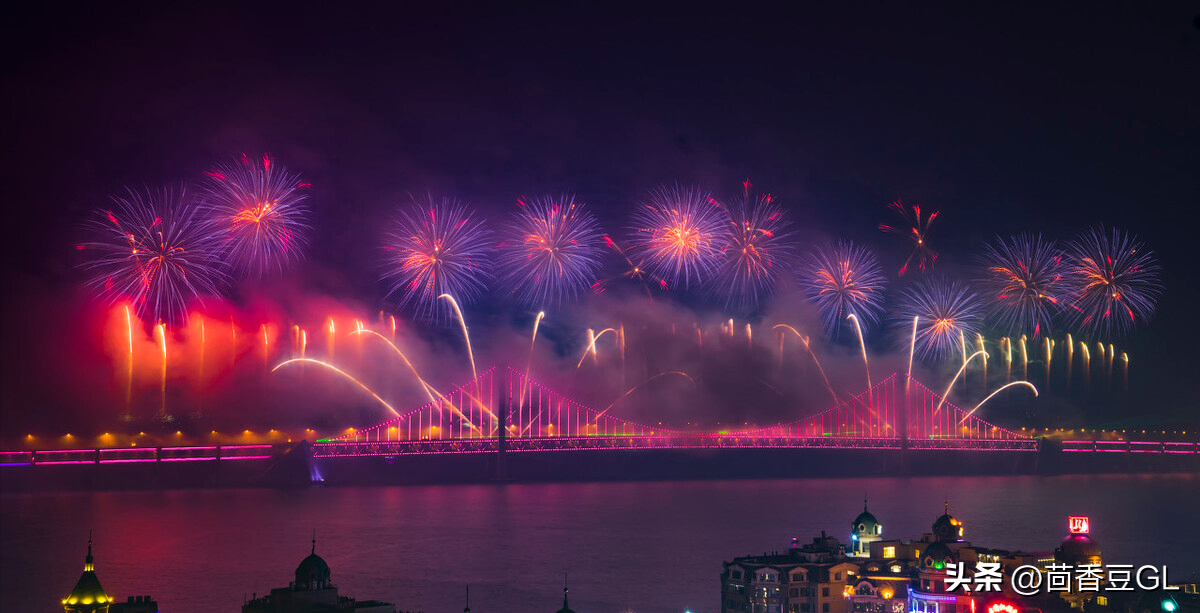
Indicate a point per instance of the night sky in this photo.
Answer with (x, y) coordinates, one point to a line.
(1047, 119)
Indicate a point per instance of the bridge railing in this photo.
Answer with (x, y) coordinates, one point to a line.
(530, 410)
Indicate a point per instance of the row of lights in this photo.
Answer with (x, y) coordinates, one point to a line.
(1113, 431)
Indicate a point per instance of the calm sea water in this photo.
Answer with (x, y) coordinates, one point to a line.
(648, 547)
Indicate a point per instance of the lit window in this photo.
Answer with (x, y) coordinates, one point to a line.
(889, 552)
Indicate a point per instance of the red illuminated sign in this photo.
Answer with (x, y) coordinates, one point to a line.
(1077, 524)
(1001, 607)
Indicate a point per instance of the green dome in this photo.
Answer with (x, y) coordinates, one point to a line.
(865, 523)
(936, 556)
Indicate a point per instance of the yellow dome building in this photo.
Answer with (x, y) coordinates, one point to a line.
(88, 596)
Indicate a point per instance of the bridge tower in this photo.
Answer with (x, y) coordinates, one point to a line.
(498, 473)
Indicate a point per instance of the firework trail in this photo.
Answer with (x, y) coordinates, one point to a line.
(678, 235)
(160, 335)
(466, 335)
(1117, 281)
(158, 250)
(805, 339)
(998, 390)
(635, 388)
(551, 252)
(946, 309)
(912, 346)
(755, 250)
(529, 360)
(844, 279)
(260, 210)
(1025, 283)
(958, 374)
(341, 372)
(866, 366)
(436, 247)
(916, 230)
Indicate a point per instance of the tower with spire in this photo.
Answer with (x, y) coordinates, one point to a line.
(565, 609)
(88, 595)
(947, 528)
(864, 530)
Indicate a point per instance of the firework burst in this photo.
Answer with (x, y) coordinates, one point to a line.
(916, 230)
(260, 208)
(158, 249)
(844, 279)
(552, 251)
(677, 235)
(755, 249)
(1025, 283)
(1116, 281)
(436, 247)
(947, 311)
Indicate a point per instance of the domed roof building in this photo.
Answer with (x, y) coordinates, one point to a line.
(88, 595)
(1078, 550)
(313, 572)
(313, 590)
(946, 528)
(936, 556)
(864, 530)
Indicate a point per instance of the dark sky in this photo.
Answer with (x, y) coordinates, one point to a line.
(1042, 118)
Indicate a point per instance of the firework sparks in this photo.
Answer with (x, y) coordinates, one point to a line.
(844, 279)
(1025, 283)
(916, 230)
(755, 249)
(466, 335)
(958, 374)
(552, 251)
(866, 366)
(158, 250)
(998, 390)
(435, 248)
(260, 208)
(678, 234)
(946, 309)
(341, 372)
(1117, 281)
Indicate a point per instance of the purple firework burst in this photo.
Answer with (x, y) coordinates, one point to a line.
(436, 247)
(158, 249)
(260, 208)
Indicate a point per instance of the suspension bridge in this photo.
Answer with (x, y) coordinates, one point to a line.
(504, 410)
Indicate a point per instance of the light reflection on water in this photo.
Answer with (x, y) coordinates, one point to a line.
(649, 547)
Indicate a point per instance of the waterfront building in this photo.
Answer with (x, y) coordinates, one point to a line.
(1079, 550)
(864, 530)
(813, 578)
(89, 596)
(312, 591)
(873, 575)
(135, 604)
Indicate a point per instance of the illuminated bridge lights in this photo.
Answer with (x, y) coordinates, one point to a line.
(470, 417)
